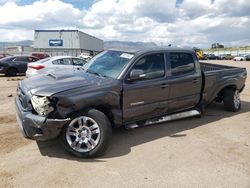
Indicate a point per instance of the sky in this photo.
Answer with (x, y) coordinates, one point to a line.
(177, 22)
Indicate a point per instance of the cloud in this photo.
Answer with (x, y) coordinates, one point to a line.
(186, 23)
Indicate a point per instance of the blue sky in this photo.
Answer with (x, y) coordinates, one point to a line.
(179, 22)
(81, 4)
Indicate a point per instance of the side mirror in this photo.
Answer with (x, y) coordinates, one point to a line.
(137, 74)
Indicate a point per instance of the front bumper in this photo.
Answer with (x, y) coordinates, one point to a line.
(37, 127)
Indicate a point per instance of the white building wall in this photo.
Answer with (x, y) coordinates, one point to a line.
(71, 41)
(88, 42)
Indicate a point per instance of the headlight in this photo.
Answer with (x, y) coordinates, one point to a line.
(41, 105)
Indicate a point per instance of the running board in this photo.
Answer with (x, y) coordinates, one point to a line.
(166, 118)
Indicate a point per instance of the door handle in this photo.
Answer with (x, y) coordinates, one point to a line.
(164, 85)
(195, 80)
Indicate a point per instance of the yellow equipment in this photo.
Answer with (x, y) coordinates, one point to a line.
(199, 53)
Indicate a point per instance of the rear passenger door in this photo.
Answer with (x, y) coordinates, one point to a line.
(63, 64)
(185, 82)
(20, 62)
(147, 97)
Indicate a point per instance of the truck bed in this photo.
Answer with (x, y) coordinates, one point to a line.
(217, 76)
(207, 67)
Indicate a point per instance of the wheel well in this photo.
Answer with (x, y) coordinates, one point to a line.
(220, 94)
(102, 108)
(107, 111)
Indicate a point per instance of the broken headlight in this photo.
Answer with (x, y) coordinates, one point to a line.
(42, 105)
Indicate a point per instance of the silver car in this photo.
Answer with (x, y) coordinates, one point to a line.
(55, 64)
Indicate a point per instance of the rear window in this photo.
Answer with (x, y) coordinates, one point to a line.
(7, 59)
(21, 58)
(44, 60)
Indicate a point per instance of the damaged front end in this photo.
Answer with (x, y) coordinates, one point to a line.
(33, 116)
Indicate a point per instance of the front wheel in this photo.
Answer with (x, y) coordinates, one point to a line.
(88, 134)
(231, 99)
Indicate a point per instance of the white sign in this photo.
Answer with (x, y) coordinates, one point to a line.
(127, 56)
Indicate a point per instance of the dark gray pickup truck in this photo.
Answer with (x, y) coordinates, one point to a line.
(122, 88)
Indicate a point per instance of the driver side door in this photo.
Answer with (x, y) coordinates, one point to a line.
(147, 97)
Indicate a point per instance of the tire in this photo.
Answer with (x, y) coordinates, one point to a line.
(11, 72)
(231, 99)
(80, 141)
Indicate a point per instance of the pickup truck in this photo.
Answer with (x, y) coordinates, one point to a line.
(129, 88)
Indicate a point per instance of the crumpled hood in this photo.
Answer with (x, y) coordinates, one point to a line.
(47, 85)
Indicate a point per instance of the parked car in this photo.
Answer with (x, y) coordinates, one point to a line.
(55, 64)
(248, 57)
(212, 57)
(40, 55)
(225, 57)
(122, 88)
(12, 65)
(228, 57)
(240, 58)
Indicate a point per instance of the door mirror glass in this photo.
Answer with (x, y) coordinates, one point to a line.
(137, 74)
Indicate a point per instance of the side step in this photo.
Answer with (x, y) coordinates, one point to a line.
(166, 118)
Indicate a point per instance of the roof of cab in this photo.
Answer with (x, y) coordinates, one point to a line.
(155, 49)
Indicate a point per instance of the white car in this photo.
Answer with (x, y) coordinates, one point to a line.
(240, 58)
(52, 64)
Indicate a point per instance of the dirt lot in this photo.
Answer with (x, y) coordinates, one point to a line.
(213, 151)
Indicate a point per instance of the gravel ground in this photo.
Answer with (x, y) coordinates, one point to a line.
(213, 151)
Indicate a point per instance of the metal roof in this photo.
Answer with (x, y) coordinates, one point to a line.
(57, 30)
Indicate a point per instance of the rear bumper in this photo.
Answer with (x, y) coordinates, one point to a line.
(29, 73)
(37, 127)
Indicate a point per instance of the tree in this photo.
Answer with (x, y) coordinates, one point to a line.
(217, 45)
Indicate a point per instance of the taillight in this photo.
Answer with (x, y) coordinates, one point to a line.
(37, 67)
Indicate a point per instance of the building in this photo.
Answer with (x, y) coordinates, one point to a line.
(18, 50)
(66, 42)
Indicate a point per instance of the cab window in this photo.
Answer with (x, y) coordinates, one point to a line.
(181, 63)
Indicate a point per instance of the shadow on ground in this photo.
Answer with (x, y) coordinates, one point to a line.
(123, 140)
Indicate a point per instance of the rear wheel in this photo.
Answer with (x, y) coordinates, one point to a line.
(88, 134)
(231, 99)
(11, 72)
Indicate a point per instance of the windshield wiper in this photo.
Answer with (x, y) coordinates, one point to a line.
(96, 73)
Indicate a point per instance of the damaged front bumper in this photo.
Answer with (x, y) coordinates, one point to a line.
(37, 127)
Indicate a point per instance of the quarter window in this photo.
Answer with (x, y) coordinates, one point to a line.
(181, 63)
(152, 65)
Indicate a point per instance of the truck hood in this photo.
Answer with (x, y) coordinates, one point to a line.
(50, 84)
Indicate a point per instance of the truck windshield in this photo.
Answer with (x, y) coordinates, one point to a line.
(108, 63)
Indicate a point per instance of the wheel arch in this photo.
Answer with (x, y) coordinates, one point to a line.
(105, 109)
(221, 91)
